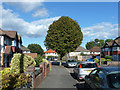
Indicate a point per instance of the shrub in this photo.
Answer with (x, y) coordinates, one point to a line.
(103, 60)
(108, 57)
(38, 60)
(14, 80)
(5, 71)
(96, 60)
(109, 60)
(45, 60)
(19, 63)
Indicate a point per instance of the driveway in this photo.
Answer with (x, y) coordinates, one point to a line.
(60, 77)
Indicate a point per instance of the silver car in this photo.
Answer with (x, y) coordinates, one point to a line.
(83, 68)
(71, 63)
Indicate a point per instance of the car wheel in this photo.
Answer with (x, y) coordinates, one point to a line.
(86, 85)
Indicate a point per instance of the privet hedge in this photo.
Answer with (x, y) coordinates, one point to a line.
(19, 63)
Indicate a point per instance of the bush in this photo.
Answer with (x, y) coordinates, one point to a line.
(38, 60)
(5, 71)
(96, 60)
(109, 60)
(19, 63)
(45, 60)
(108, 57)
(11, 80)
(103, 60)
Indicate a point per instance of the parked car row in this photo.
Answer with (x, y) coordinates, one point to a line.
(104, 77)
(95, 76)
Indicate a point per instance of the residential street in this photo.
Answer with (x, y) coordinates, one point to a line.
(60, 77)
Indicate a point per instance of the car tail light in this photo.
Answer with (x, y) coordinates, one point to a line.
(80, 65)
(97, 65)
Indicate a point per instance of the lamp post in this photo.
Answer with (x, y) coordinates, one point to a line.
(100, 56)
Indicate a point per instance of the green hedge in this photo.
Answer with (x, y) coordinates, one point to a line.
(19, 63)
(108, 57)
(10, 80)
(38, 60)
(96, 60)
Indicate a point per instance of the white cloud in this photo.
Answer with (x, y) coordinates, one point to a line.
(25, 6)
(102, 30)
(11, 21)
(44, 48)
(42, 12)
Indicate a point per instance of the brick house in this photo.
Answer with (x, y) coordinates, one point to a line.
(26, 51)
(112, 49)
(10, 43)
(95, 52)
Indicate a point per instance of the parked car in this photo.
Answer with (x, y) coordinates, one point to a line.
(103, 78)
(55, 59)
(71, 62)
(83, 68)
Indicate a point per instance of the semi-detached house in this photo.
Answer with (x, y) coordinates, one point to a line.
(112, 49)
(10, 43)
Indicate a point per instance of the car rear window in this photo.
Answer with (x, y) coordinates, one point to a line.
(114, 80)
(89, 65)
(71, 61)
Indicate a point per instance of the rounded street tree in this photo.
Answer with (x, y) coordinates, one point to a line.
(63, 36)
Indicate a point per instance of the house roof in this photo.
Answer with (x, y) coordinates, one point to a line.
(95, 49)
(33, 55)
(11, 34)
(50, 51)
(81, 49)
(23, 48)
(117, 40)
(8, 49)
(1, 32)
(110, 43)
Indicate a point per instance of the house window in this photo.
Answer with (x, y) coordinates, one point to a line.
(114, 48)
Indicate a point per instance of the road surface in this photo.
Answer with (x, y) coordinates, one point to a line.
(60, 77)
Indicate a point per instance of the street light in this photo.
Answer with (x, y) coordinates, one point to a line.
(100, 55)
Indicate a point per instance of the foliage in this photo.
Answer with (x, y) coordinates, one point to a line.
(5, 71)
(38, 60)
(109, 60)
(103, 60)
(96, 60)
(45, 60)
(63, 36)
(108, 40)
(14, 80)
(97, 42)
(19, 63)
(108, 57)
(35, 48)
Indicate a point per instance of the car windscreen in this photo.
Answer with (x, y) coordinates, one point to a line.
(89, 65)
(71, 61)
(114, 80)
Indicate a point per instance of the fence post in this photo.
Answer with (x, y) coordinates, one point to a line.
(50, 66)
(45, 69)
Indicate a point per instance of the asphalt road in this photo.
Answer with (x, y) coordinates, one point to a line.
(61, 77)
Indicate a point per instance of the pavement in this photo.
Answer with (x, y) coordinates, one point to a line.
(61, 77)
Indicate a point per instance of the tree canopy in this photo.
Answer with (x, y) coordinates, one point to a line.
(97, 42)
(63, 36)
(35, 48)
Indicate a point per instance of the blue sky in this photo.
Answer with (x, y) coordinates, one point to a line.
(31, 20)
